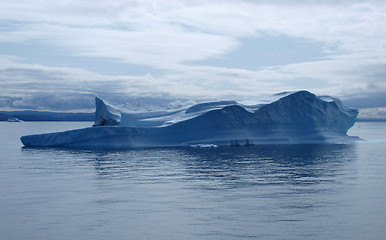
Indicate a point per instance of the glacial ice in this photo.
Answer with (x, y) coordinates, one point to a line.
(291, 118)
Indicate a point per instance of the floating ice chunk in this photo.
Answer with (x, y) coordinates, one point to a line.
(204, 146)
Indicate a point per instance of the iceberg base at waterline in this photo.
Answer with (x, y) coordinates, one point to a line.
(291, 118)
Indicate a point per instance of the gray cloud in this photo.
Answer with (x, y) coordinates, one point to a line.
(171, 35)
(374, 100)
(55, 101)
(8, 102)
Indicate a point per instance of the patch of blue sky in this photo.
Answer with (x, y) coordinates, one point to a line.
(38, 53)
(11, 25)
(257, 52)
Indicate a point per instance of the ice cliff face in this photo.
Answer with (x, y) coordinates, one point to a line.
(299, 117)
(305, 110)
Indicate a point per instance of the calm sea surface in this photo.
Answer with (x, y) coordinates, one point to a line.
(257, 192)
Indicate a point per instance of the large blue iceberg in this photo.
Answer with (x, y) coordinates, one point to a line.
(291, 118)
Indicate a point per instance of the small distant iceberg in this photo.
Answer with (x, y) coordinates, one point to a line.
(287, 118)
(204, 146)
(14, 119)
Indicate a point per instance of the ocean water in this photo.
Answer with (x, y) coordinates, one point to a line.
(256, 192)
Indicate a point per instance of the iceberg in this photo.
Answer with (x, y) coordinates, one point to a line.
(290, 118)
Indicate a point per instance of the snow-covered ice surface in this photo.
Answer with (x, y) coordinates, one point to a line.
(290, 118)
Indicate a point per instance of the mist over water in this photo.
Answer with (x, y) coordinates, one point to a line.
(315, 191)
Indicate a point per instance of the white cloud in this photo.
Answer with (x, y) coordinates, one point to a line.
(159, 49)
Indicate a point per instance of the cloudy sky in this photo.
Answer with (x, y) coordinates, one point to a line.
(59, 54)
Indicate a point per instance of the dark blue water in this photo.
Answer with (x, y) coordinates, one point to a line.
(257, 192)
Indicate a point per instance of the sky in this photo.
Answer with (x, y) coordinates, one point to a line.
(57, 55)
